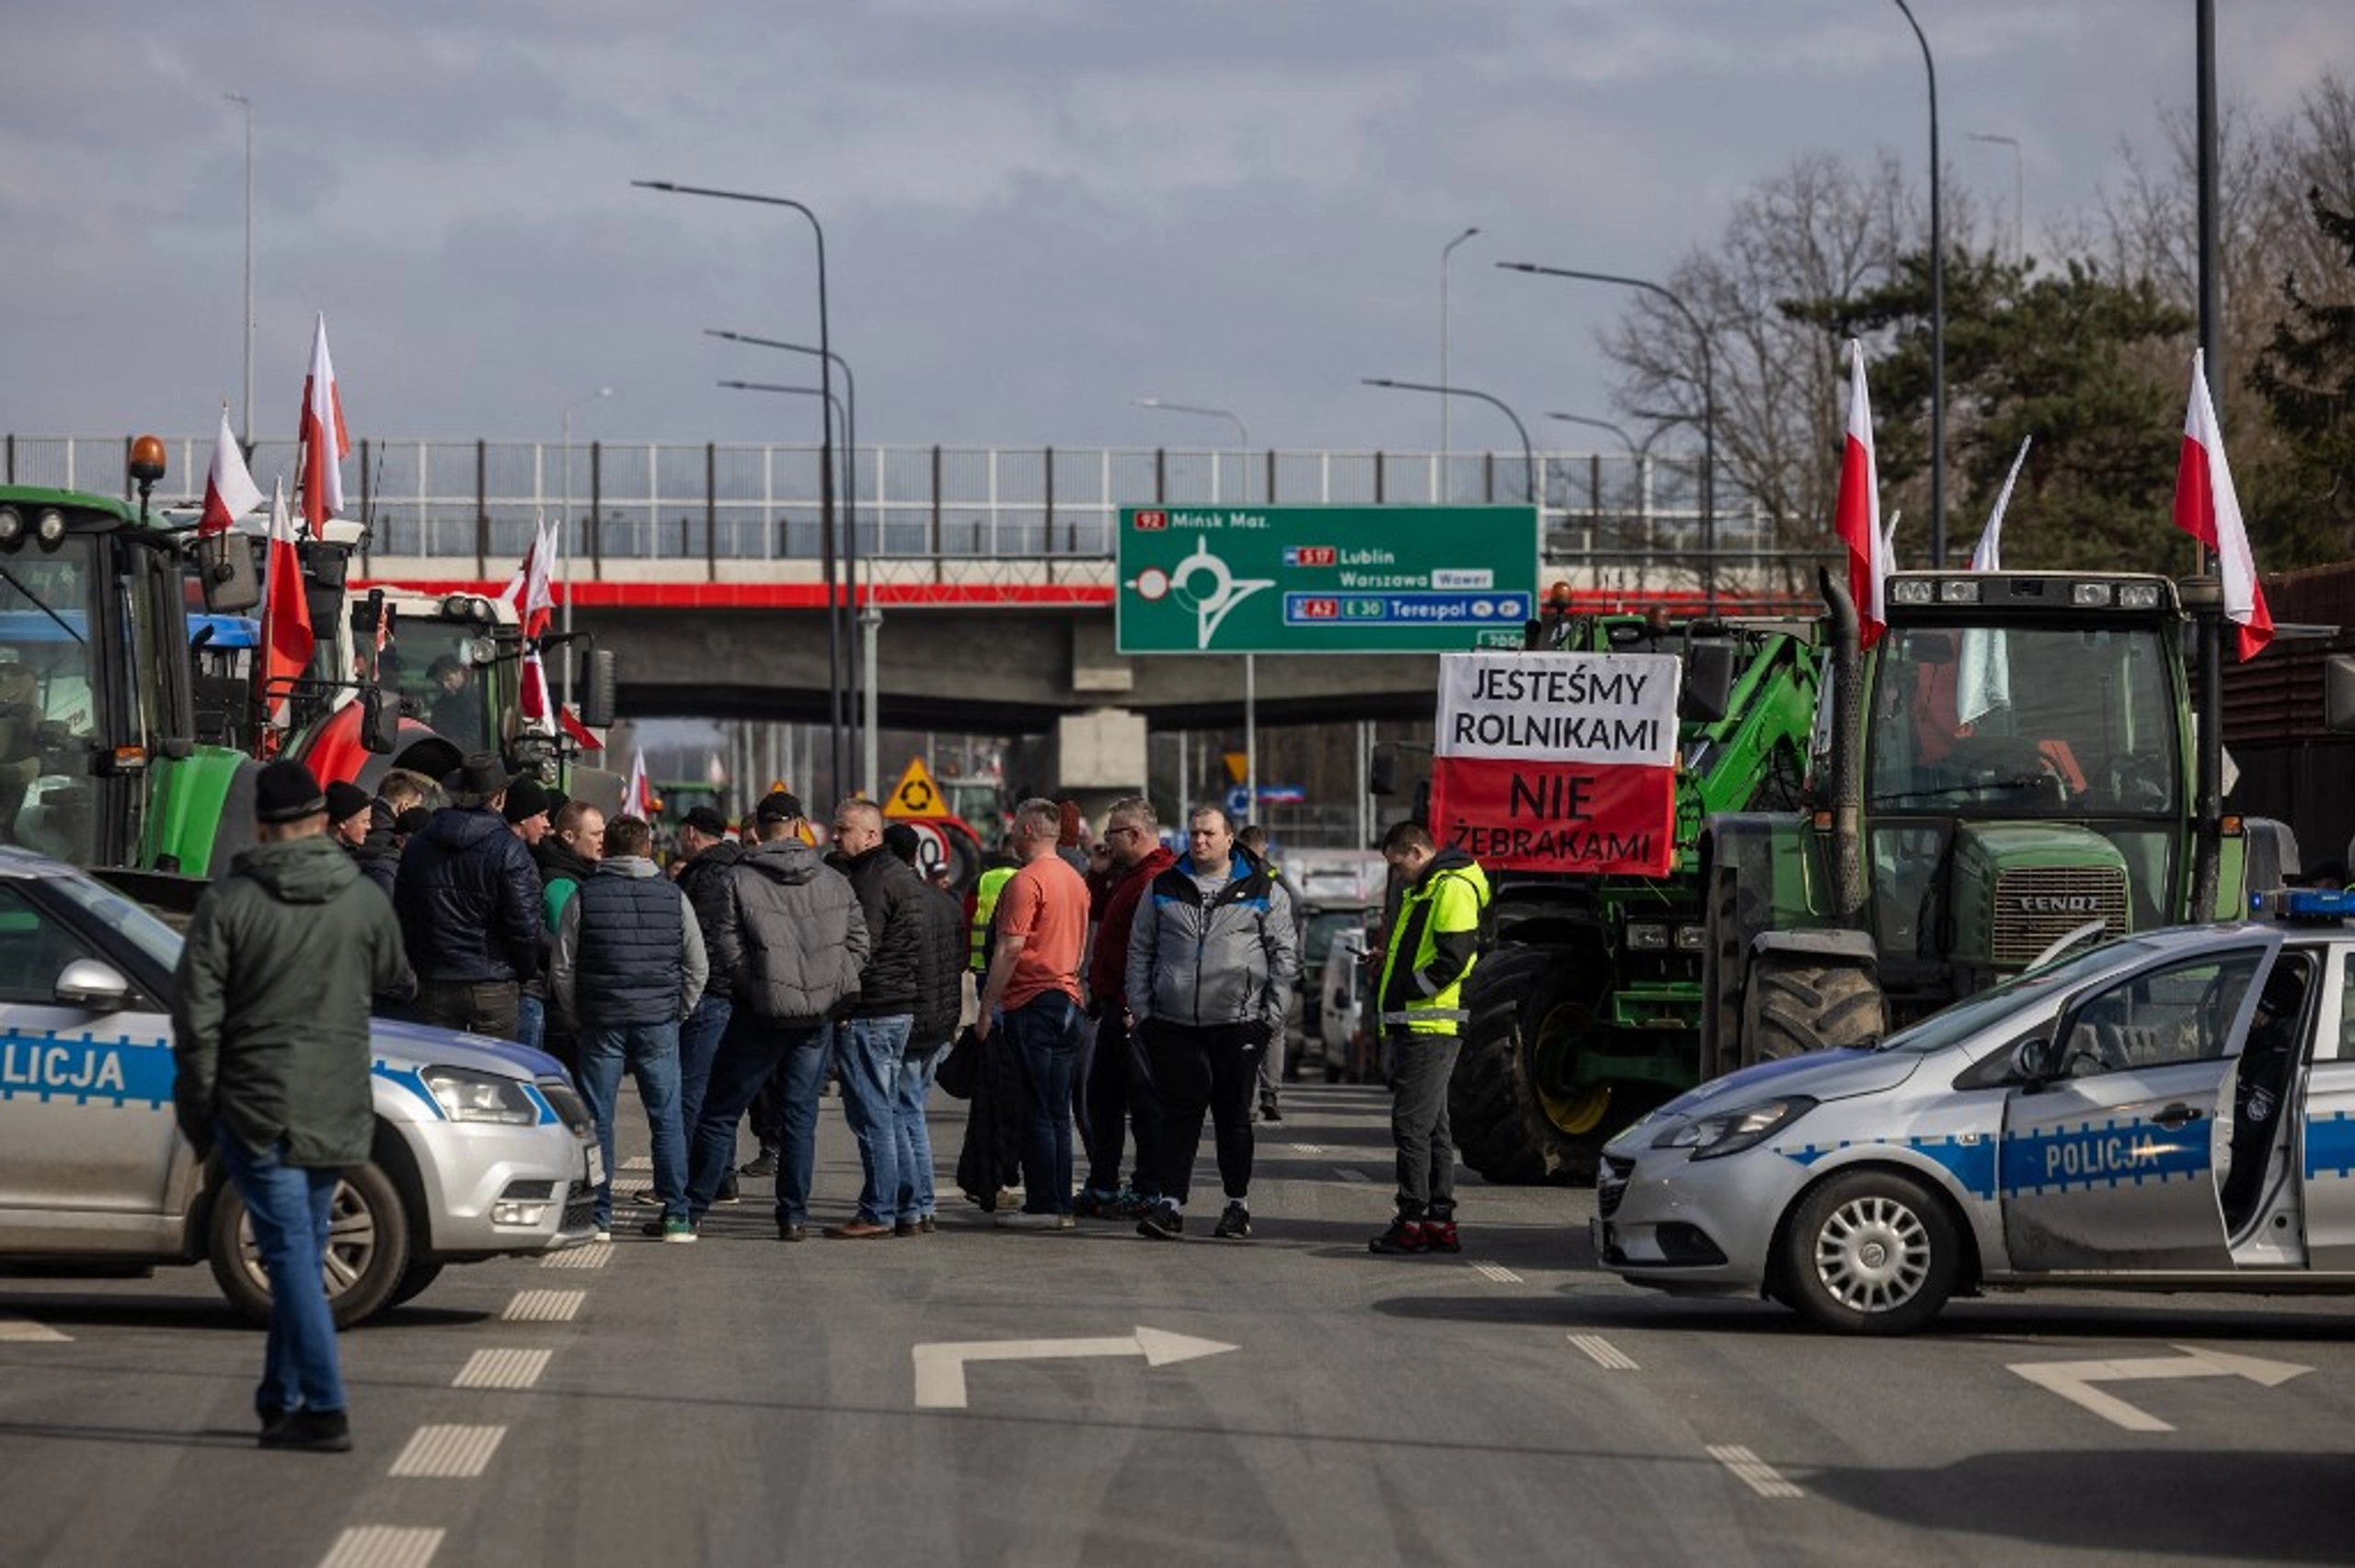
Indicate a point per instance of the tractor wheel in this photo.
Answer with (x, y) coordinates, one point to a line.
(1792, 1006)
(1483, 1099)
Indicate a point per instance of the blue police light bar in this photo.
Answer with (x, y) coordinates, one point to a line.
(2305, 903)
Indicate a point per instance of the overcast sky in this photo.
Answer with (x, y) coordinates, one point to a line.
(1037, 210)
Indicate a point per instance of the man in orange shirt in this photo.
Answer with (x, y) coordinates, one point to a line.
(1032, 991)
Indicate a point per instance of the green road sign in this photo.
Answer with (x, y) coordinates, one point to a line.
(1323, 580)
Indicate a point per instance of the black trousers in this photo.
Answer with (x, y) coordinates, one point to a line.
(478, 1007)
(1206, 1069)
(1421, 1066)
(1120, 1091)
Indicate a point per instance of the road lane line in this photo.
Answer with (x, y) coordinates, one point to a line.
(1308, 1148)
(15, 1329)
(1499, 1273)
(508, 1369)
(1350, 1173)
(1603, 1353)
(544, 1306)
(595, 1254)
(1759, 1476)
(448, 1452)
(638, 1162)
(383, 1546)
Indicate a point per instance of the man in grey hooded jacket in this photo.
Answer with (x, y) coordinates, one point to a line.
(791, 934)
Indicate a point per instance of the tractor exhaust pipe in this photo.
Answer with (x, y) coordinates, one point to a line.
(1847, 783)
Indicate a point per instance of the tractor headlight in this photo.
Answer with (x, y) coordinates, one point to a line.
(51, 529)
(2138, 595)
(1731, 1132)
(12, 527)
(2090, 595)
(1911, 590)
(1647, 937)
(468, 1096)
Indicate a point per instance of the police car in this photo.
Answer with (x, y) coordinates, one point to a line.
(482, 1148)
(2171, 1110)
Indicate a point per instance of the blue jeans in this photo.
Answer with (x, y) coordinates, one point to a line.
(290, 1207)
(650, 1051)
(531, 1021)
(915, 1082)
(751, 1049)
(868, 1052)
(1044, 1033)
(698, 1047)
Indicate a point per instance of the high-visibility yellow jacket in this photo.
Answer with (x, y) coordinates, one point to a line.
(985, 891)
(1433, 945)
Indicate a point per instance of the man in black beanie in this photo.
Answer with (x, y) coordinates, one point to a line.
(527, 811)
(353, 823)
(468, 898)
(270, 1027)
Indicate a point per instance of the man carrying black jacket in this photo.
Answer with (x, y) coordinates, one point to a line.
(468, 899)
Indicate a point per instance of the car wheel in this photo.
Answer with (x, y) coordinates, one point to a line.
(367, 1248)
(1869, 1251)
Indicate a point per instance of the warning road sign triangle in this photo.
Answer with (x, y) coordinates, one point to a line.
(915, 794)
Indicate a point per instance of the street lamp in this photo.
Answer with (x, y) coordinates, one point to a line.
(2019, 189)
(1250, 660)
(1446, 251)
(1937, 315)
(871, 617)
(1528, 454)
(836, 616)
(1709, 403)
(564, 532)
(247, 430)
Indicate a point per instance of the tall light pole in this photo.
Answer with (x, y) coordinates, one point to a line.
(564, 532)
(2019, 189)
(1709, 403)
(837, 614)
(246, 430)
(1250, 660)
(1528, 453)
(1446, 251)
(1938, 315)
(864, 687)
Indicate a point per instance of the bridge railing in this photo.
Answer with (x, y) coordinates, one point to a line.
(715, 509)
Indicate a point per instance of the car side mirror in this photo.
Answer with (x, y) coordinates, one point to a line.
(91, 982)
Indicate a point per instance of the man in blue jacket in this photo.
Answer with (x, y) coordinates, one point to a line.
(468, 899)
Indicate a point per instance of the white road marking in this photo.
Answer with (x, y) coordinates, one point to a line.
(2073, 1381)
(1603, 1353)
(595, 1255)
(1759, 1476)
(638, 1162)
(1308, 1148)
(448, 1452)
(383, 1546)
(544, 1306)
(1496, 1272)
(1350, 1173)
(940, 1368)
(625, 1185)
(509, 1369)
(15, 1329)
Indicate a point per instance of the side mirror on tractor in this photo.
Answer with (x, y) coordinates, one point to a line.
(597, 692)
(225, 565)
(2338, 693)
(380, 721)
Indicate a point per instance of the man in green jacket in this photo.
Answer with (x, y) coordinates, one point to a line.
(270, 1026)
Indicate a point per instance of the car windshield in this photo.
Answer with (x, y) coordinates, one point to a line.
(1324, 926)
(1967, 1018)
(135, 924)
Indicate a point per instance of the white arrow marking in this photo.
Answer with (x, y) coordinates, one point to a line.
(940, 1368)
(24, 1331)
(2073, 1381)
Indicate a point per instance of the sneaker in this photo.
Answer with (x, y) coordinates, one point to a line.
(789, 1232)
(1439, 1236)
(312, 1432)
(1128, 1203)
(681, 1230)
(1095, 1203)
(1403, 1236)
(727, 1193)
(1066, 1221)
(605, 1234)
(761, 1165)
(927, 1224)
(1023, 1220)
(857, 1229)
(1268, 1112)
(1162, 1222)
(1234, 1225)
(645, 1199)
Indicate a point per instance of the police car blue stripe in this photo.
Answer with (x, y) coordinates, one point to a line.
(2330, 1145)
(83, 1068)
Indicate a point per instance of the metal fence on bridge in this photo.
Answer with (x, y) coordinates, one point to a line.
(1615, 519)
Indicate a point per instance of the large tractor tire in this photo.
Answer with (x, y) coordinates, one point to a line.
(1483, 1099)
(1791, 1006)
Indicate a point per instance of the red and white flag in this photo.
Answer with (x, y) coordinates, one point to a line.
(2207, 507)
(571, 724)
(324, 441)
(229, 488)
(1857, 516)
(638, 799)
(1987, 555)
(531, 590)
(286, 612)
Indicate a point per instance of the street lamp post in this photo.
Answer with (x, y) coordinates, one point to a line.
(864, 688)
(1528, 453)
(1937, 315)
(1446, 251)
(564, 531)
(1709, 403)
(1250, 660)
(836, 613)
(2019, 189)
(246, 432)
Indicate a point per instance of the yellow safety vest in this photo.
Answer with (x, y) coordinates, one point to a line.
(1445, 904)
(985, 891)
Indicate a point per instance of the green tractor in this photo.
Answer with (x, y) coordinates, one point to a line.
(2011, 769)
(1587, 1010)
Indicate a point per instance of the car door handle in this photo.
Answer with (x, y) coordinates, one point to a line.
(2177, 1115)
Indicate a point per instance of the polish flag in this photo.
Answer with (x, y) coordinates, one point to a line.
(2207, 507)
(530, 590)
(1856, 517)
(638, 799)
(571, 724)
(324, 439)
(1988, 554)
(229, 488)
(286, 613)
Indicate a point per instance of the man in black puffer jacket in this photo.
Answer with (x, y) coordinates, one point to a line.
(468, 899)
(872, 1045)
(701, 875)
(940, 1004)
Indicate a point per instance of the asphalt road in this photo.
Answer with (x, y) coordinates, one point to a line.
(743, 1400)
